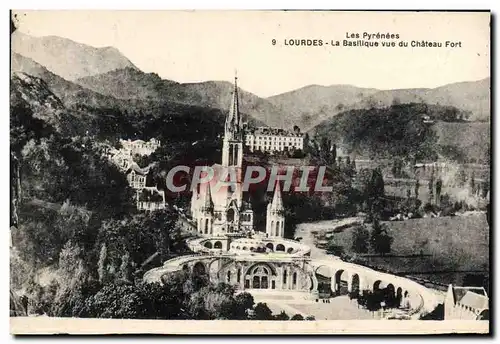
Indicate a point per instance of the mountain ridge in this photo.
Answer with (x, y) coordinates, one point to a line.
(67, 58)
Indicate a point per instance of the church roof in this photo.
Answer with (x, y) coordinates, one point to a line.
(207, 198)
(277, 200)
(233, 120)
(137, 169)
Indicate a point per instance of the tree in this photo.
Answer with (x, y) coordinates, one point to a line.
(360, 239)
(310, 318)
(297, 317)
(380, 240)
(262, 312)
(282, 316)
(244, 301)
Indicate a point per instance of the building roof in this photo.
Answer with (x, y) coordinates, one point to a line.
(141, 171)
(277, 200)
(474, 297)
(272, 132)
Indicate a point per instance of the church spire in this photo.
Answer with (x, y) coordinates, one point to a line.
(277, 203)
(207, 199)
(233, 119)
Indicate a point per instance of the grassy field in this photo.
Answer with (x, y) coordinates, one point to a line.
(450, 247)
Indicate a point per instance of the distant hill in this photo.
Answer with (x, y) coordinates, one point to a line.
(68, 92)
(129, 83)
(401, 130)
(310, 105)
(66, 58)
(473, 96)
(107, 72)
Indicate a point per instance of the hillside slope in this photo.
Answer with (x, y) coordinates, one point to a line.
(310, 105)
(68, 92)
(66, 58)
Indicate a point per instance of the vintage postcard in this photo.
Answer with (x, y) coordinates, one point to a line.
(246, 172)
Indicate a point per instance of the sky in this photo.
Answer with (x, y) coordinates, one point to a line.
(193, 46)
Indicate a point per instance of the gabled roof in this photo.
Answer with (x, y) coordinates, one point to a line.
(474, 297)
(141, 171)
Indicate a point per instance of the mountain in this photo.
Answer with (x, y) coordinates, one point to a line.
(129, 83)
(66, 58)
(312, 104)
(472, 96)
(68, 92)
(28, 92)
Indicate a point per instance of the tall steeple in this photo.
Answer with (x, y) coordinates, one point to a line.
(208, 204)
(275, 220)
(232, 150)
(277, 203)
(233, 120)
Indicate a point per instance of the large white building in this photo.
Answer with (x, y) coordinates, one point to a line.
(221, 211)
(273, 140)
(140, 147)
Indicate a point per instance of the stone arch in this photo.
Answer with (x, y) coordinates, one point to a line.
(376, 285)
(355, 285)
(337, 286)
(230, 215)
(208, 244)
(270, 246)
(289, 250)
(280, 247)
(199, 269)
(260, 276)
(218, 245)
(399, 295)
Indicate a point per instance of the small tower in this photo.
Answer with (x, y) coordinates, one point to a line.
(275, 222)
(206, 212)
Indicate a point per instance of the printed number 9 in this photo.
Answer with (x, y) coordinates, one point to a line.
(274, 42)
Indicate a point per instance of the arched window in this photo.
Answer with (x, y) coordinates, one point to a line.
(206, 226)
(294, 279)
(277, 228)
(238, 276)
(284, 276)
(218, 245)
(229, 277)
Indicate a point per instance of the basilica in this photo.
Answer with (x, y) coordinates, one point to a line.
(222, 211)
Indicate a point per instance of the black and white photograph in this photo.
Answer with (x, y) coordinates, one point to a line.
(292, 171)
